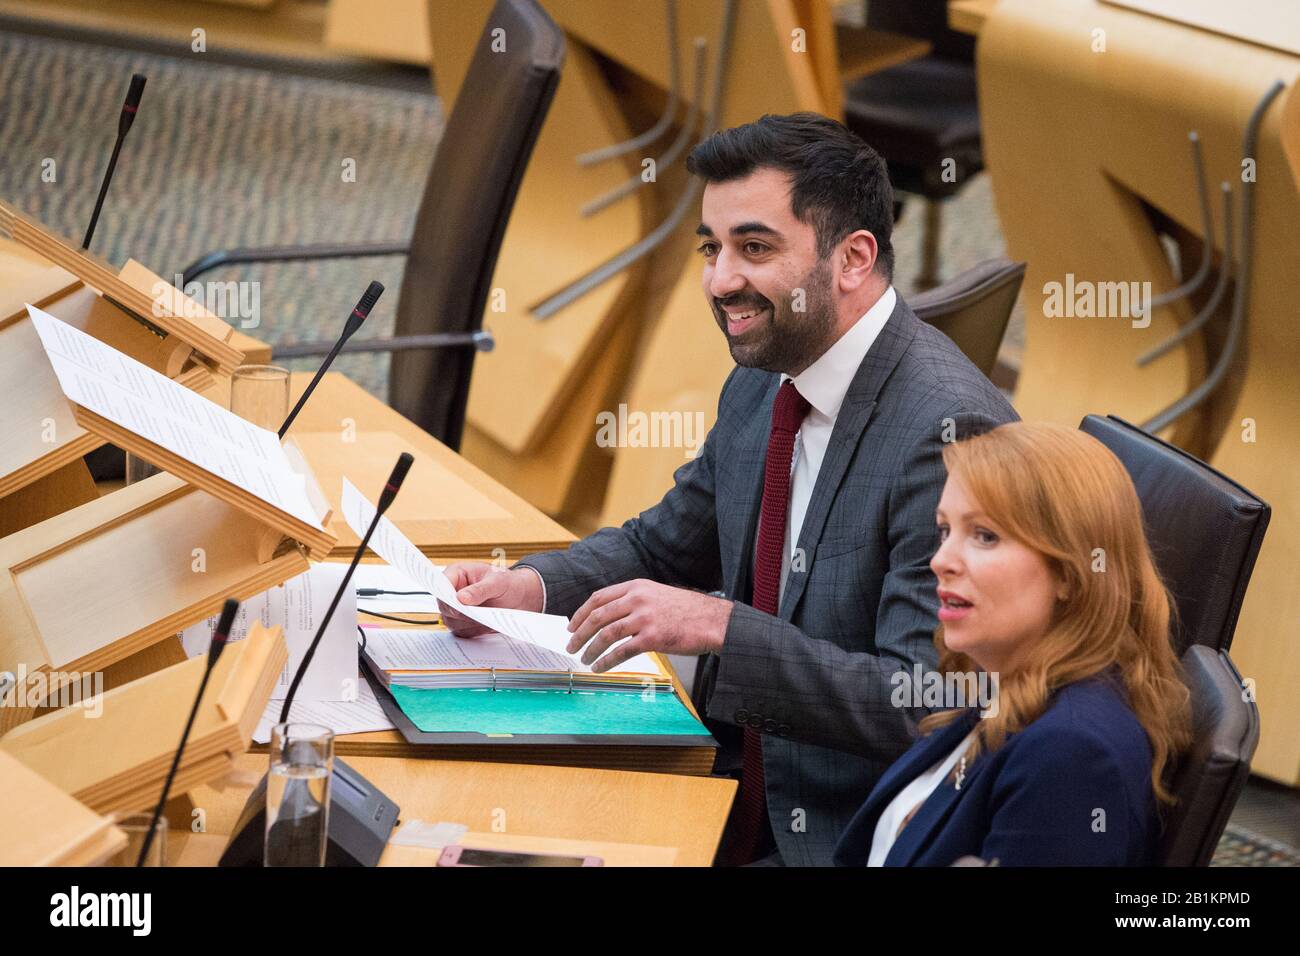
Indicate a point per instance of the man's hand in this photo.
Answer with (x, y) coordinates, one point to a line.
(486, 585)
(655, 617)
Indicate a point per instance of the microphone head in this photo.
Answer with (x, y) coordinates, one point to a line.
(404, 462)
(222, 633)
(133, 94)
(362, 311)
(136, 89)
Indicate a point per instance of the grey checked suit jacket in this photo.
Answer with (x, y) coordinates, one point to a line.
(816, 678)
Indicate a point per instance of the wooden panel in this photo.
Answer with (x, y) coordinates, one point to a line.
(43, 826)
(1085, 138)
(396, 30)
(46, 497)
(1270, 23)
(99, 583)
(118, 761)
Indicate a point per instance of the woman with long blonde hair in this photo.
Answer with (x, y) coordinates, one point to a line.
(1047, 594)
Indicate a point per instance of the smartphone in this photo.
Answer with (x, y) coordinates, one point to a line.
(469, 856)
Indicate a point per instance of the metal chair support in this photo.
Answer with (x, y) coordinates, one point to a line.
(635, 182)
(1241, 297)
(1216, 296)
(224, 257)
(481, 340)
(1207, 230)
(611, 267)
(670, 109)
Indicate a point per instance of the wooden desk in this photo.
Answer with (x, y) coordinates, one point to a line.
(448, 507)
(630, 818)
(968, 16)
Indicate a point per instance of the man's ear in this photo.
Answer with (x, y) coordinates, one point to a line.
(855, 260)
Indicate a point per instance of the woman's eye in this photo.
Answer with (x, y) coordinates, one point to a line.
(985, 536)
(943, 532)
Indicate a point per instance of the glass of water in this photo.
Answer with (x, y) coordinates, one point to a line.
(298, 795)
(260, 394)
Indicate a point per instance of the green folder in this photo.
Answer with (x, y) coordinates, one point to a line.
(546, 712)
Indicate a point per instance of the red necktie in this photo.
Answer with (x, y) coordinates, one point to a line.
(788, 413)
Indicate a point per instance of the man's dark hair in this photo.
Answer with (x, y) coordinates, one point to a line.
(838, 184)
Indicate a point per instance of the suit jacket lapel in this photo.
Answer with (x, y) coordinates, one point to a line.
(931, 815)
(850, 424)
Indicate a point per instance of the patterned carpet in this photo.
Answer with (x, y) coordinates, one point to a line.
(220, 156)
(1242, 847)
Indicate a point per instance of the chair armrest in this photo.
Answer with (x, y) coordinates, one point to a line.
(481, 341)
(222, 257)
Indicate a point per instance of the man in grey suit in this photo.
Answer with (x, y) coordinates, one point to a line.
(794, 549)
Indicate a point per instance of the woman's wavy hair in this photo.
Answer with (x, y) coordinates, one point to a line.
(1066, 495)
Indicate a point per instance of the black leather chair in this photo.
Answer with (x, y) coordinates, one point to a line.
(1205, 530)
(973, 308)
(468, 197)
(920, 113)
(1211, 775)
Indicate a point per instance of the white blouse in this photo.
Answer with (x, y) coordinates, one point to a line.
(908, 799)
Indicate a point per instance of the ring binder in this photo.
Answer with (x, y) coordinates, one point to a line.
(494, 679)
(570, 680)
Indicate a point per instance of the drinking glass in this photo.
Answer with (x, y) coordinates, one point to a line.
(260, 394)
(298, 795)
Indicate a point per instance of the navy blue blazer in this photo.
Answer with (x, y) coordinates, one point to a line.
(1071, 789)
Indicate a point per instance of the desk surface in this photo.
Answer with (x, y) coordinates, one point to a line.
(447, 507)
(629, 817)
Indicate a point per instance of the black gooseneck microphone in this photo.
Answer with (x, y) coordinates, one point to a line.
(361, 817)
(404, 461)
(355, 318)
(219, 639)
(124, 122)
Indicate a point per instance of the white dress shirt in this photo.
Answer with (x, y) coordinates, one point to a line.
(824, 384)
(894, 816)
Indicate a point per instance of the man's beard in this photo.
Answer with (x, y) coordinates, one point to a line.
(788, 341)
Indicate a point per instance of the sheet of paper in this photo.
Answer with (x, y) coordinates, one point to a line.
(388, 578)
(413, 649)
(137, 398)
(549, 631)
(298, 606)
(358, 716)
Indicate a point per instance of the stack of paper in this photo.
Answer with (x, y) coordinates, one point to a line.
(437, 659)
(528, 648)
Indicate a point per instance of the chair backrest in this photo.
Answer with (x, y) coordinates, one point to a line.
(1209, 778)
(973, 308)
(471, 189)
(1205, 530)
(925, 20)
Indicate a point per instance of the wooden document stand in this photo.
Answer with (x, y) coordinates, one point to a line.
(101, 582)
(134, 311)
(40, 825)
(118, 760)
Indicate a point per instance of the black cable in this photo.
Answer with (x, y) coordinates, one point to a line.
(400, 620)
